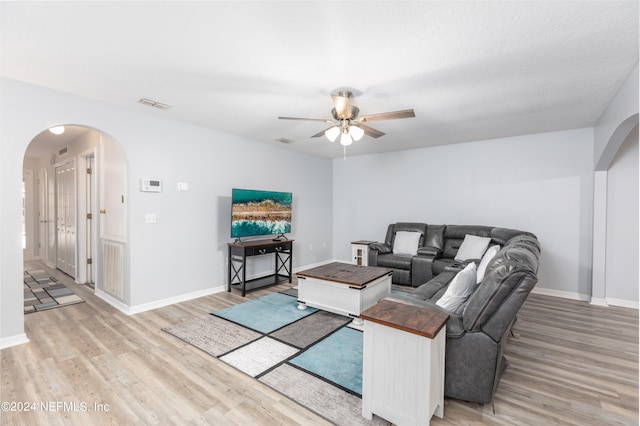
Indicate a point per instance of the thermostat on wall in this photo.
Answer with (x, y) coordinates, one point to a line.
(150, 185)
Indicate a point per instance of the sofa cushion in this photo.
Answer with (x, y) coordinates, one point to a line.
(405, 226)
(435, 237)
(472, 247)
(459, 289)
(395, 261)
(486, 258)
(406, 242)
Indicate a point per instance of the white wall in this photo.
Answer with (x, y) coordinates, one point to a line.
(185, 251)
(622, 225)
(539, 183)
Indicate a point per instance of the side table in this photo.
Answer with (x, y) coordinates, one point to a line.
(360, 252)
(403, 363)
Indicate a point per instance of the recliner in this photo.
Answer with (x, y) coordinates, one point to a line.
(478, 330)
(406, 270)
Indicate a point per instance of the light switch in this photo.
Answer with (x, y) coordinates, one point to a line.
(150, 218)
(183, 186)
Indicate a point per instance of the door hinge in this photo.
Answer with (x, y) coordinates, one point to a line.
(89, 261)
(89, 216)
(89, 171)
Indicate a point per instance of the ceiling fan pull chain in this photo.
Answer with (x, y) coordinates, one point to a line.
(344, 152)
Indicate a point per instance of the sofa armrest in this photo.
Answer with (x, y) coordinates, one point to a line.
(381, 248)
(421, 270)
(429, 251)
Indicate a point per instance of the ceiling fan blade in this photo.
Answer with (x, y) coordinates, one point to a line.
(407, 113)
(322, 132)
(306, 119)
(369, 131)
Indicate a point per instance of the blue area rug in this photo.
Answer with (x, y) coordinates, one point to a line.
(337, 358)
(311, 356)
(265, 314)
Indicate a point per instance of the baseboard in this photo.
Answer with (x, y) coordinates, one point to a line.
(16, 340)
(315, 265)
(561, 294)
(118, 304)
(136, 309)
(623, 303)
(597, 301)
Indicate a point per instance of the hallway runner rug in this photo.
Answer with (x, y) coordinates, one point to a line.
(42, 292)
(311, 356)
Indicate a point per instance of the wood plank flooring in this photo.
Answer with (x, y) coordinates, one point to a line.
(570, 363)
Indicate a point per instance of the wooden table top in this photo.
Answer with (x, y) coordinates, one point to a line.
(412, 319)
(256, 243)
(346, 273)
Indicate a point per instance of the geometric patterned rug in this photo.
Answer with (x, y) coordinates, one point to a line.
(42, 292)
(314, 357)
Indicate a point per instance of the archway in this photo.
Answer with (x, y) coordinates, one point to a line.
(78, 172)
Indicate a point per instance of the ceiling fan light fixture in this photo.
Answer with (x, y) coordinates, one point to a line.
(57, 130)
(345, 139)
(332, 133)
(356, 133)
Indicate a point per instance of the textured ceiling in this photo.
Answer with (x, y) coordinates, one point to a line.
(470, 70)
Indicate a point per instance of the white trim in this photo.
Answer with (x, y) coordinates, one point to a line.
(315, 265)
(623, 303)
(118, 304)
(132, 310)
(632, 304)
(562, 294)
(18, 339)
(597, 301)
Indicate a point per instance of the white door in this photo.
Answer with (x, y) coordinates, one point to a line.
(113, 215)
(42, 214)
(28, 228)
(66, 218)
(112, 192)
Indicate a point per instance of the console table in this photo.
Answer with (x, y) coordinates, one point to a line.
(403, 363)
(239, 251)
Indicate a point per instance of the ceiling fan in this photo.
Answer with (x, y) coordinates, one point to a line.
(346, 122)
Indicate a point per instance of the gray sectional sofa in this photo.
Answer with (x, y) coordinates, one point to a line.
(480, 323)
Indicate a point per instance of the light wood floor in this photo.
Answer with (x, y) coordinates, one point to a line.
(570, 363)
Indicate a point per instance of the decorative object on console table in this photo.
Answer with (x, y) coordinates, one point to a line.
(360, 252)
(403, 363)
(240, 250)
(343, 288)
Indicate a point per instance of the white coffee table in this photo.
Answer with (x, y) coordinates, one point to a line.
(343, 288)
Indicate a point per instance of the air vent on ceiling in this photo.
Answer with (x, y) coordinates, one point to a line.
(152, 103)
(284, 140)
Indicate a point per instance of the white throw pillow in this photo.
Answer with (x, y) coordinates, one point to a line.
(406, 242)
(460, 288)
(472, 247)
(488, 255)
